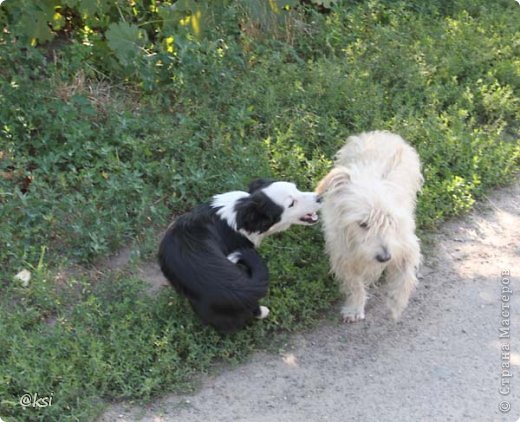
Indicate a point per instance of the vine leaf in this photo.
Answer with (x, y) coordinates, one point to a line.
(125, 40)
(34, 21)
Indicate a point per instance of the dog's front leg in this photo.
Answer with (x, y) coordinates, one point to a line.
(354, 308)
(401, 283)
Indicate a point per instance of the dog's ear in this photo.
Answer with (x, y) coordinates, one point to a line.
(336, 178)
(393, 162)
(258, 184)
(257, 213)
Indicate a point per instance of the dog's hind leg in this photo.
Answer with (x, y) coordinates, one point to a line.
(354, 308)
(400, 283)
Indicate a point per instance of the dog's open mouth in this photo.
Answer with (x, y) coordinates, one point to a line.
(310, 218)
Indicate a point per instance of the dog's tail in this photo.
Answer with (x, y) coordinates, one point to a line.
(238, 281)
(254, 268)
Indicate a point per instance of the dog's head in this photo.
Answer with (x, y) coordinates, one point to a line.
(269, 207)
(373, 220)
(283, 204)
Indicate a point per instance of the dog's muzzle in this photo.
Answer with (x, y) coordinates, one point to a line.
(310, 218)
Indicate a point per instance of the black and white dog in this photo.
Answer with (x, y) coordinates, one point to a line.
(209, 254)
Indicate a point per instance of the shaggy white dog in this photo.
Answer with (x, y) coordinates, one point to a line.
(368, 219)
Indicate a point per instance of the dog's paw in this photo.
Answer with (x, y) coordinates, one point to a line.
(264, 312)
(350, 314)
(234, 257)
(347, 319)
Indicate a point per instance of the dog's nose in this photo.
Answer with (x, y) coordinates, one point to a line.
(383, 256)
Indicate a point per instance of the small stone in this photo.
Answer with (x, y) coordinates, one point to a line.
(24, 276)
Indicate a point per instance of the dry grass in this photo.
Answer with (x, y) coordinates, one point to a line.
(259, 23)
(99, 92)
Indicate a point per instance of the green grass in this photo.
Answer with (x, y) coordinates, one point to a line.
(90, 162)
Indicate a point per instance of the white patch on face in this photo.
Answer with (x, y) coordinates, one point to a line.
(298, 207)
(226, 202)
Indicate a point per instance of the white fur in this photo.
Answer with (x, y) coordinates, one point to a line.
(264, 312)
(234, 257)
(374, 182)
(226, 204)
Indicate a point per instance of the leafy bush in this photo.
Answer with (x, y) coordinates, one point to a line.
(98, 150)
(139, 40)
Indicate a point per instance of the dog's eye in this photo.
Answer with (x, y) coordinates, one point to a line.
(363, 225)
(292, 203)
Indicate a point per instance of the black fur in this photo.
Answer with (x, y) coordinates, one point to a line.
(259, 184)
(193, 257)
(257, 213)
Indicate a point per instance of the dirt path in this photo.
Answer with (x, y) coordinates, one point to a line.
(441, 362)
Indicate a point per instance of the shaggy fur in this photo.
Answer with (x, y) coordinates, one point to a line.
(368, 219)
(209, 254)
